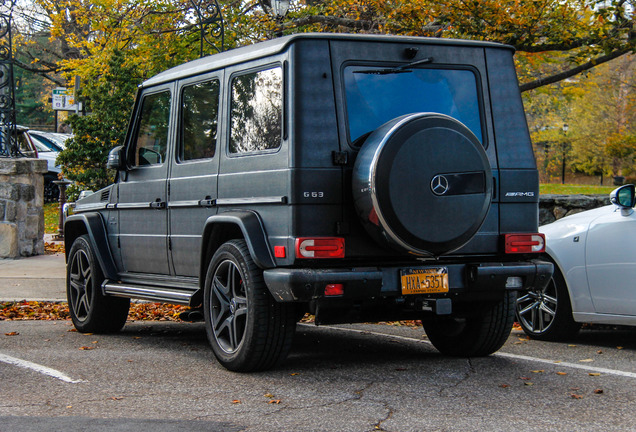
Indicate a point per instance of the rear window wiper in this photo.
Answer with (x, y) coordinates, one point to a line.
(407, 68)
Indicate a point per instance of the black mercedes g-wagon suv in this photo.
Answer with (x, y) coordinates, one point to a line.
(355, 177)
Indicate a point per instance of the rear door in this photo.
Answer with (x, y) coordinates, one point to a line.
(434, 78)
(193, 179)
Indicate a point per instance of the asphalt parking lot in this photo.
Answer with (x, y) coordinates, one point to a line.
(163, 376)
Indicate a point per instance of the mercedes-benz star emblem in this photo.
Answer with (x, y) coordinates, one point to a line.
(439, 185)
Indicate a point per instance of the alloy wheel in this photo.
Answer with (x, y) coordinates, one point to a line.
(536, 310)
(80, 285)
(228, 306)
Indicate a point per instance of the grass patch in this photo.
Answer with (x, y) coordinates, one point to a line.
(571, 189)
(51, 217)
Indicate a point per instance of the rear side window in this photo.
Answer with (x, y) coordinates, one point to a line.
(199, 120)
(376, 95)
(256, 111)
(151, 141)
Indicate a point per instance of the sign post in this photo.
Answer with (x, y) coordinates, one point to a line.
(64, 100)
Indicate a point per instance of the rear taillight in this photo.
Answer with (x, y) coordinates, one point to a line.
(320, 247)
(525, 243)
(334, 290)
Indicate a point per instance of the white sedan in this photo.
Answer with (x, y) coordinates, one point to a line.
(594, 280)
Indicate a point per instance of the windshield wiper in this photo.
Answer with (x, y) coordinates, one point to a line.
(407, 68)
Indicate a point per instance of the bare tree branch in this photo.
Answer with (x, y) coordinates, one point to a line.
(44, 72)
(572, 72)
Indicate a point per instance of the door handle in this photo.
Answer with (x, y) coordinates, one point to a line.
(207, 202)
(158, 204)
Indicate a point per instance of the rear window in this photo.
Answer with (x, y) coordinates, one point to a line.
(256, 111)
(375, 95)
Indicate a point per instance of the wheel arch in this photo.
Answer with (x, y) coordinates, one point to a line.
(92, 225)
(235, 224)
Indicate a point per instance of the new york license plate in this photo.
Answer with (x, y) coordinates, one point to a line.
(424, 281)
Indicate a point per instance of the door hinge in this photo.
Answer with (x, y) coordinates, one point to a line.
(340, 158)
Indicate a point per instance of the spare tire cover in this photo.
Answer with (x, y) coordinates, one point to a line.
(422, 183)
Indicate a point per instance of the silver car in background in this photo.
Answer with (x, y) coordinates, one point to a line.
(49, 144)
(594, 253)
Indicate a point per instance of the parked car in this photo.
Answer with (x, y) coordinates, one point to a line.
(23, 142)
(53, 140)
(595, 268)
(49, 145)
(356, 177)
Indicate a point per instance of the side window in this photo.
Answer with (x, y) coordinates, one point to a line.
(199, 119)
(151, 141)
(256, 111)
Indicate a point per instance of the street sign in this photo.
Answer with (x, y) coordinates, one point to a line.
(64, 100)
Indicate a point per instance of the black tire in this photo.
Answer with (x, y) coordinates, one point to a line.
(547, 314)
(473, 336)
(247, 329)
(90, 310)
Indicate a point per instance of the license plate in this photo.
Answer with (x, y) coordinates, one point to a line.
(424, 281)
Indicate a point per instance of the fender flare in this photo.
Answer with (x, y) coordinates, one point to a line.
(251, 226)
(93, 225)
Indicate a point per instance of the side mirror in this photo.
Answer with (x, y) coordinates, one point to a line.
(624, 196)
(115, 160)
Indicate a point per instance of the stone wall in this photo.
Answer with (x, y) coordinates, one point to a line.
(21, 207)
(553, 207)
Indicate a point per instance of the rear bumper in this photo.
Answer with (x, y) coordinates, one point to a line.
(465, 280)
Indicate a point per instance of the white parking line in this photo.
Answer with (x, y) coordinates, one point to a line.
(567, 364)
(555, 363)
(38, 368)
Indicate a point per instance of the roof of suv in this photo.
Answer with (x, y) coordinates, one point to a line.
(277, 45)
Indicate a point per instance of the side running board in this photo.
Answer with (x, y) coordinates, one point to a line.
(147, 292)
